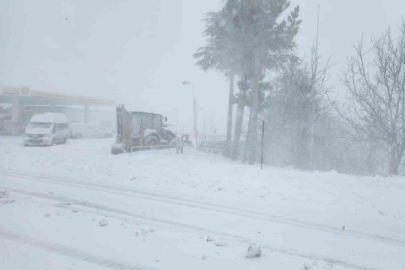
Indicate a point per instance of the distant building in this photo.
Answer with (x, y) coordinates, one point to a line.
(18, 105)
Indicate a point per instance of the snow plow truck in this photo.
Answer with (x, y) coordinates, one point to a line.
(141, 131)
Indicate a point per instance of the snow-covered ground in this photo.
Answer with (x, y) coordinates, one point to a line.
(191, 211)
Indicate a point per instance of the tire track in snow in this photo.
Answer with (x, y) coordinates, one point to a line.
(211, 207)
(70, 252)
(241, 239)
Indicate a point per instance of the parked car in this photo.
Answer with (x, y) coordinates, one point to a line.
(86, 130)
(46, 129)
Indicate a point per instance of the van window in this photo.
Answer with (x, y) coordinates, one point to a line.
(39, 125)
(62, 126)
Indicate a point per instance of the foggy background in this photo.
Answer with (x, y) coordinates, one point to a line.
(138, 52)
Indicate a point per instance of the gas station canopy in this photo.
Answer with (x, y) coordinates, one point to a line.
(26, 96)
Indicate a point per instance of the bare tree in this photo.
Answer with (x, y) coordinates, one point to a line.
(375, 106)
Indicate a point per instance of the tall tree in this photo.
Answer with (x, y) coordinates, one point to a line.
(261, 39)
(221, 54)
(247, 35)
(244, 99)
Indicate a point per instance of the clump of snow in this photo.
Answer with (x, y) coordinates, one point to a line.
(254, 251)
(210, 239)
(47, 215)
(220, 242)
(204, 257)
(118, 147)
(103, 222)
(4, 194)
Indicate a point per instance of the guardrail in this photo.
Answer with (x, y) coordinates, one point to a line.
(217, 147)
(153, 147)
(158, 148)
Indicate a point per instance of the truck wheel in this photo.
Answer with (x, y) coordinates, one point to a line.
(65, 140)
(151, 142)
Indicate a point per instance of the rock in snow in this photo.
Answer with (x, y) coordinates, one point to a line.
(103, 222)
(254, 251)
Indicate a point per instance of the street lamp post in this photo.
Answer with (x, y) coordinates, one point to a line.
(194, 112)
(205, 133)
(203, 137)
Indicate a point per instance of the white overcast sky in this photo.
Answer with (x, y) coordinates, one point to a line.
(138, 52)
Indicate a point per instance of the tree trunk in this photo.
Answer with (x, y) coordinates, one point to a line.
(255, 113)
(395, 159)
(230, 113)
(238, 126)
(394, 168)
(247, 146)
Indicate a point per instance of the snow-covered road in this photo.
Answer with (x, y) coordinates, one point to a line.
(162, 208)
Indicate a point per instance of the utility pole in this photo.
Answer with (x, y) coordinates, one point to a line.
(204, 131)
(311, 158)
(262, 147)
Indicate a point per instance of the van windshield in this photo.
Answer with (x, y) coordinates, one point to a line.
(39, 125)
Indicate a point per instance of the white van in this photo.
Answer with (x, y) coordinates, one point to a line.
(46, 129)
(86, 130)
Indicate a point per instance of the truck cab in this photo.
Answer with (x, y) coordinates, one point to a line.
(140, 131)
